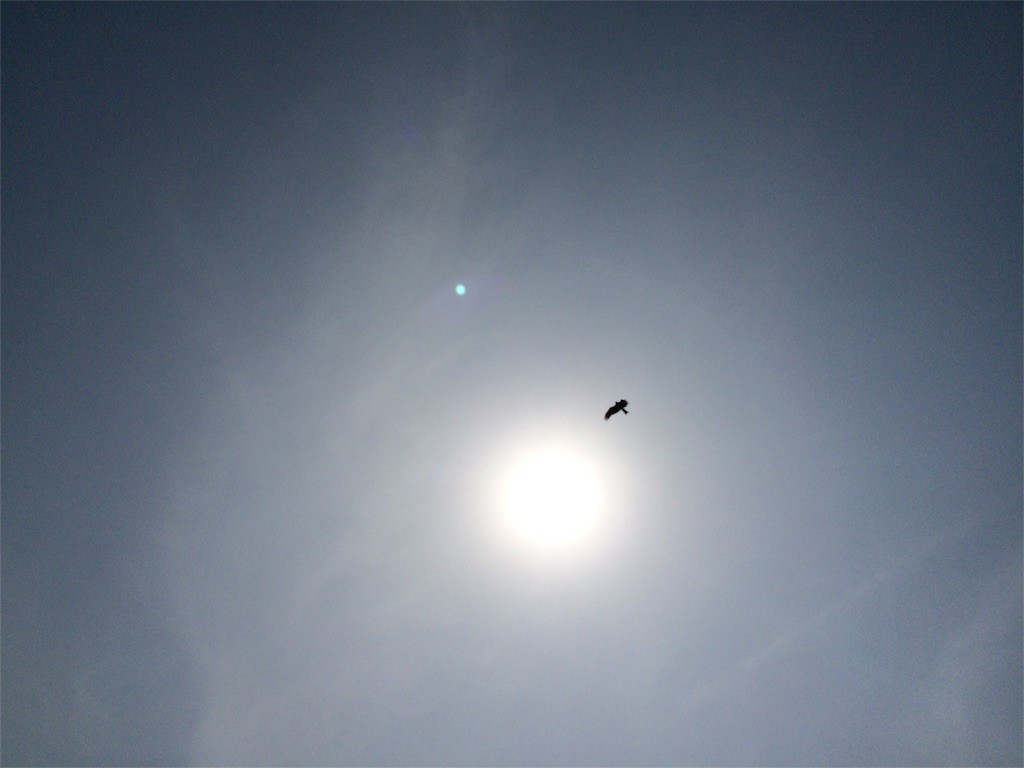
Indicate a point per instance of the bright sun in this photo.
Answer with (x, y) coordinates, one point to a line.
(552, 500)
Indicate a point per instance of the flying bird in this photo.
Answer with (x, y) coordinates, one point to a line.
(619, 406)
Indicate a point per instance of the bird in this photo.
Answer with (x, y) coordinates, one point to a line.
(619, 406)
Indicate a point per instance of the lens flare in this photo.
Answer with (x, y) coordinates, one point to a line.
(460, 289)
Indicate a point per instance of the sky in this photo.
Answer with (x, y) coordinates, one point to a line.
(276, 493)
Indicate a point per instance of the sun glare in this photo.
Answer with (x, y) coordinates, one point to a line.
(552, 500)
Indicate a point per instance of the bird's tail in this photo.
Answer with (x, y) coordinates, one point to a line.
(624, 410)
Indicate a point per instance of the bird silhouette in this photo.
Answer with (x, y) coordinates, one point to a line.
(619, 406)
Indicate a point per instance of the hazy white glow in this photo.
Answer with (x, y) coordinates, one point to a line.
(552, 499)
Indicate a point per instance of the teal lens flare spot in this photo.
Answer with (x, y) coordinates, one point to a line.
(460, 289)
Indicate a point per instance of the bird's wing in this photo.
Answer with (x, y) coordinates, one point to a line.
(609, 412)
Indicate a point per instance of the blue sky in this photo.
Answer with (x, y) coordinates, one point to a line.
(257, 449)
